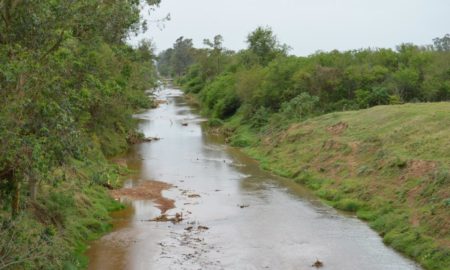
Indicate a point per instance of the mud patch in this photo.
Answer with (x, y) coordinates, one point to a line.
(332, 145)
(190, 194)
(120, 162)
(158, 102)
(165, 218)
(147, 190)
(338, 128)
(139, 138)
(318, 264)
(420, 168)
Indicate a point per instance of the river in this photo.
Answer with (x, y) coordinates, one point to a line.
(254, 219)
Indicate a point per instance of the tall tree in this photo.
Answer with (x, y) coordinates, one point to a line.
(182, 55)
(44, 70)
(216, 47)
(442, 44)
(264, 44)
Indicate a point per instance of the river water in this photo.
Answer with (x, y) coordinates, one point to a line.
(255, 220)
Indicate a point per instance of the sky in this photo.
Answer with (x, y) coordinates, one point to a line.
(305, 25)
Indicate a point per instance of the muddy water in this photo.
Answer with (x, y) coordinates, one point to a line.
(255, 220)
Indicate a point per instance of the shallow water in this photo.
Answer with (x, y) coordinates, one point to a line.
(283, 227)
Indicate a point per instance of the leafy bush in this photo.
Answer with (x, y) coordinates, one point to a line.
(350, 205)
(220, 97)
(376, 96)
(300, 107)
(215, 122)
(260, 117)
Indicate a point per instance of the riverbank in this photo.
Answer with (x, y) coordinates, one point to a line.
(221, 195)
(70, 210)
(388, 164)
(54, 230)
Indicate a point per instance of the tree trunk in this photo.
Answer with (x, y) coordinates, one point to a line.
(33, 188)
(15, 199)
(218, 65)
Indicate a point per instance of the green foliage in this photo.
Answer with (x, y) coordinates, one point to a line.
(220, 98)
(350, 205)
(377, 96)
(331, 195)
(243, 139)
(52, 235)
(264, 45)
(374, 178)
(214, 122)
(442, 44)
(259, 118)
(193, 82)
(300, 107)
(267, 82)
(285, 113)
(176, 61)
(69, 86)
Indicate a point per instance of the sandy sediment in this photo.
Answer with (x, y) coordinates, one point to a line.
(147, 190)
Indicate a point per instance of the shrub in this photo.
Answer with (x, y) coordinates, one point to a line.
(215, 122)
(260, 117)
(376, 96)
(350, 205)
(220, 97)
(300, 107)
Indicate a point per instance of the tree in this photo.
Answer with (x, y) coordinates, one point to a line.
(165, 63)
(376, 96)
(264, 44)
(216, 47)
(442, 44)
(182, 55)
(48, 66)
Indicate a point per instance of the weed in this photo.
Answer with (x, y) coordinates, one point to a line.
(350, 205)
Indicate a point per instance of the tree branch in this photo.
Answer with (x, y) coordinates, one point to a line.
(55, 46)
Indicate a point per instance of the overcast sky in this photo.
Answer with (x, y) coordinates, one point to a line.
(305, 25)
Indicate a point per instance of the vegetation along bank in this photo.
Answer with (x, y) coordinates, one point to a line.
(368, 130)
(69, 86)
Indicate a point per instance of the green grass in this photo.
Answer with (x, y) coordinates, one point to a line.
(390, 166)
(66, 215)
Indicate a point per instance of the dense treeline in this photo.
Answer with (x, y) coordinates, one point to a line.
(68, 87)
(264, 80)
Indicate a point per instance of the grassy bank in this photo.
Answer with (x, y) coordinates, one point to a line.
(296, 114)
(388, 164)
(53, 231)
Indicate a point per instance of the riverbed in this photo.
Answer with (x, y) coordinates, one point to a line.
(235, 215)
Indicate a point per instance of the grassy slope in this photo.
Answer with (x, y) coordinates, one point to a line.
(389, 164)
(72, 210)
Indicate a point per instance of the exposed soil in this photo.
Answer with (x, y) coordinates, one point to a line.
(338, 128)
(318, 264)
(150, 139)
(160, 101)
(137, 138)
(120, 161)
(165, 218)
(419, 168)
(147, 190)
